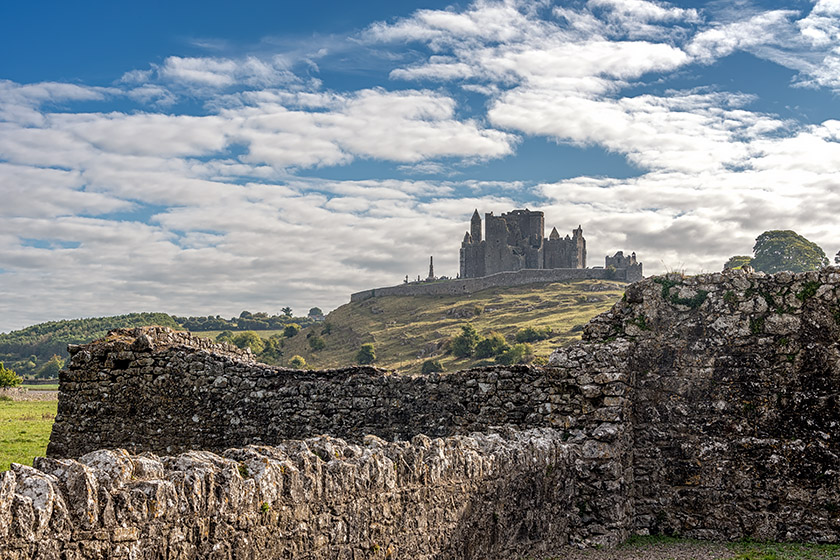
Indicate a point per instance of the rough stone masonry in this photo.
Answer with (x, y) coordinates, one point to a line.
(704, 406)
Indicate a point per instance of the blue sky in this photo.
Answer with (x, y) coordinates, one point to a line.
(208, 157)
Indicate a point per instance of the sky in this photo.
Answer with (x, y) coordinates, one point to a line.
(204, 158)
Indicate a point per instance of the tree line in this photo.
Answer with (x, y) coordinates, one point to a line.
(40, 350)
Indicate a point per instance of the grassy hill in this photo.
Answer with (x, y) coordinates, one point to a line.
(406, 331)
(26, 351)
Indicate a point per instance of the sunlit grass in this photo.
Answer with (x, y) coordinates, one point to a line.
(24, 430)
(402, 328)
(45, 387)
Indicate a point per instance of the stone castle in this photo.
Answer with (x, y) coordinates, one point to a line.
(515, 241)
(514, 252)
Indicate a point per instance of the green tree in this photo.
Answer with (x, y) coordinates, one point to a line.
(291, 330)
(366, 354)
(493, 345)
(431, 366)
(249, 339)
(533, 334)
(315, 312)
(225, 336)
(317, 343)
(516, 354)
(51, 368)
(273, 351)
(737, 262)
(778, 250)
(464, 344)
(287, 311)
(9, 378)
(297, 362)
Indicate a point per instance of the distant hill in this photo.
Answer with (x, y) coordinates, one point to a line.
(406, 331)
(26, 351)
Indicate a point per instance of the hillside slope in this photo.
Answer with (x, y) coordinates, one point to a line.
(406, 331)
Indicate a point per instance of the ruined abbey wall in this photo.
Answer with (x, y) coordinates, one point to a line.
(736, 403)
(705, 406)
(463, 286)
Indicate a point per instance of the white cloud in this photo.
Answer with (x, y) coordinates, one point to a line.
(224, 221)
(721, 40)
(821, 27)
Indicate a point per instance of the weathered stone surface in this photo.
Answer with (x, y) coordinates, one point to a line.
(735, 392)
(478, 496)
(706, 406)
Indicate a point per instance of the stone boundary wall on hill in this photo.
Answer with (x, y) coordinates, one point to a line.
(479, 496)
(463, 286)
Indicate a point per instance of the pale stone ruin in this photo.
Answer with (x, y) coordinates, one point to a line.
(705, 406)
(514, 252)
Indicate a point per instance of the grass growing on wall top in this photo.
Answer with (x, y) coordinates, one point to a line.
(24, 430)
(404, 327)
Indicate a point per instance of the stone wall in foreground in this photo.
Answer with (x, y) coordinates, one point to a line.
(152, 390)
(480, 496)
(736, 403)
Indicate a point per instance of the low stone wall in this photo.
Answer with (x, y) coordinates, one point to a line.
(148, 390)
(482, 496)
(152, 390)
(500, 280)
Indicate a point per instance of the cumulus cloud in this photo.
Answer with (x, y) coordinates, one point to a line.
(210, 212)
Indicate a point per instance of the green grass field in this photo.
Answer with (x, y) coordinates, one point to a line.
(661, 548)
(24, 430)
(49, 387)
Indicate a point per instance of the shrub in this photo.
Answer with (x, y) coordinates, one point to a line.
(493, 345)
(464, 344)
(291, 330)
(225, 336)
(516, 354)
(366, 354)
(431, 366)
(273, 351)
(9, 378)
(533, 334)
(249, 339)
(317, 343)
(297, 362)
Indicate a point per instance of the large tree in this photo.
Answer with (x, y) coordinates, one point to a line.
(778, 250)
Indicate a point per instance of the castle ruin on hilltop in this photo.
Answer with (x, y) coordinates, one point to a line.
(514, 252)
(515, 241)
